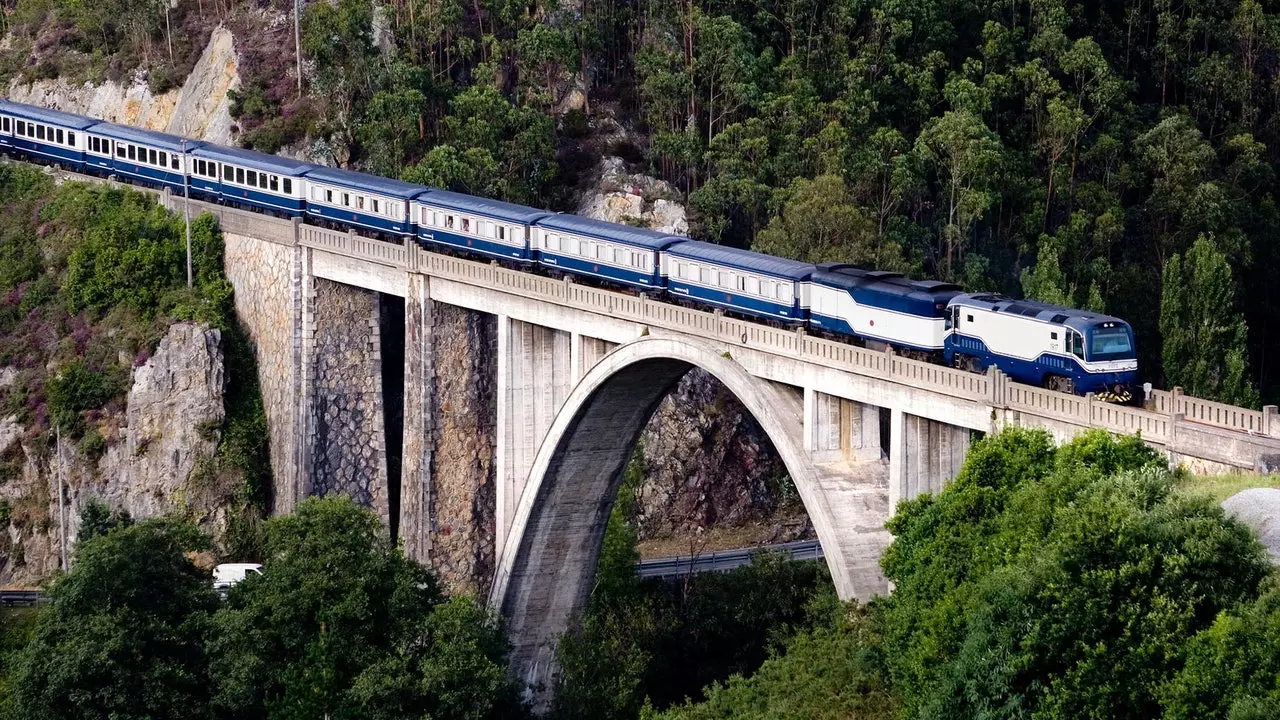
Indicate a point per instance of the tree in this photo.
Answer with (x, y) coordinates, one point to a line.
(1045, 281)
(96, 520)
(820, 222)
(1204, 333)
(337, 609)
(964, 154)
(1233, 666)
(124, 635)
(1056, 583)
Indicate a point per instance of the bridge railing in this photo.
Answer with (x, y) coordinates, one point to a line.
(1155, 422)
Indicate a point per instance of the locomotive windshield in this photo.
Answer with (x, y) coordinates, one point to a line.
(1111, 341)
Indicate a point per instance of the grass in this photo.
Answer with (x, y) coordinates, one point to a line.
(1221, 487)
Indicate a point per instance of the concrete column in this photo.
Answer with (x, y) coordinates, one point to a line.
(535, 375)
(416, 468)
(502, 462)
(840, 430)
(575, 356)
(924, 455)
(304, 356)
(897, 458)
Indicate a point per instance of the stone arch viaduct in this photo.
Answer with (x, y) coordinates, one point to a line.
(523, 396)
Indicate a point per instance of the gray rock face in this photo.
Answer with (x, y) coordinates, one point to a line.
(175, 410)
(623, 197)
(1259, 508)
(156, 460)
(707, 462)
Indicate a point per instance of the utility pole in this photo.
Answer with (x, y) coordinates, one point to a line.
(297, 42)
(186, 206)
(62, 511)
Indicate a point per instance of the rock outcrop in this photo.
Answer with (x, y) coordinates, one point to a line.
(199, 109)
(173, 416)
(623, 197)
(1259, 508)
(157, 458)
(707, 463)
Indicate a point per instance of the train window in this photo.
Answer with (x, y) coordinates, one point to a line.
(71, 138)
(968, 318)
(133, 152)
(346, 199)
(448, 221)
(360, 201)
(376, 203)
(252, 178)
(151, 157)
(502, 232)
(288, 186)
(551, 241)
(93, 144)
(328, 196)
(275, 183)
(22, 128)
(707, 276)
(5, 124)
(466, 224)
(173, 161)
(742, 283)
(1053, 336)
(39, 132)
(120, 150)
(785, 291)
(60, 137)
(240, 176)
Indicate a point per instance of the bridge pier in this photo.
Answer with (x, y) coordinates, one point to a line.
(838, 429)
(924, 455)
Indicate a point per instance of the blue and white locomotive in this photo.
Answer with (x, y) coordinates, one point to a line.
(1055, 347)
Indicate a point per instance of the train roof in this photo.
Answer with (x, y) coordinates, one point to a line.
(510, 212)
(609, 231)
(1044, 312)
(361, 181)
(39, 114)
(853, 277)
(742, 259)
(253, 159)
(152, 138)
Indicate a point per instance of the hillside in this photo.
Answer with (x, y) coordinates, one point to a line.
(1063, 150)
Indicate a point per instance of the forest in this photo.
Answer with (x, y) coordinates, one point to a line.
(1112, 156)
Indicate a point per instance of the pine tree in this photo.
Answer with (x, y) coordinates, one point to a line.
(1204, 331)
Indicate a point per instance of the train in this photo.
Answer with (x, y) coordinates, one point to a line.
(1065, 349)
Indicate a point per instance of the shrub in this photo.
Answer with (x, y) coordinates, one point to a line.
(76, 389)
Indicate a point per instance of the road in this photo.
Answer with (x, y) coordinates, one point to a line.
(722, 561)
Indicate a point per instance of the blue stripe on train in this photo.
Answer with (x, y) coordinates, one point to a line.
(741, 303)
(373, 222)
(74, 157)
(1033, 372)
(261, 199)
(478, 245)
(578, 266)
(150, 174)
(839, 325)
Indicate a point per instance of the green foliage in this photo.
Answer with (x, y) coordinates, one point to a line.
(123, 637)
(491, 147)
(341, 624)
(649, 642)
(131, 254)
(1204, 333)
(1056, 583)
(16, 628)
(827, 672)
(96, 520)
(821, 222)
(73, 390)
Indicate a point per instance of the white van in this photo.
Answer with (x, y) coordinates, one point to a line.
(228, 574)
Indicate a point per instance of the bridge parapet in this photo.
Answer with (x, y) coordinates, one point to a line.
(1156, 424)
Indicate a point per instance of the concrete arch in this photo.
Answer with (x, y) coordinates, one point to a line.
(547, 566)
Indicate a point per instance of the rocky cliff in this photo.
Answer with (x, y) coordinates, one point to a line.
(156, 457)
(199, 109)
